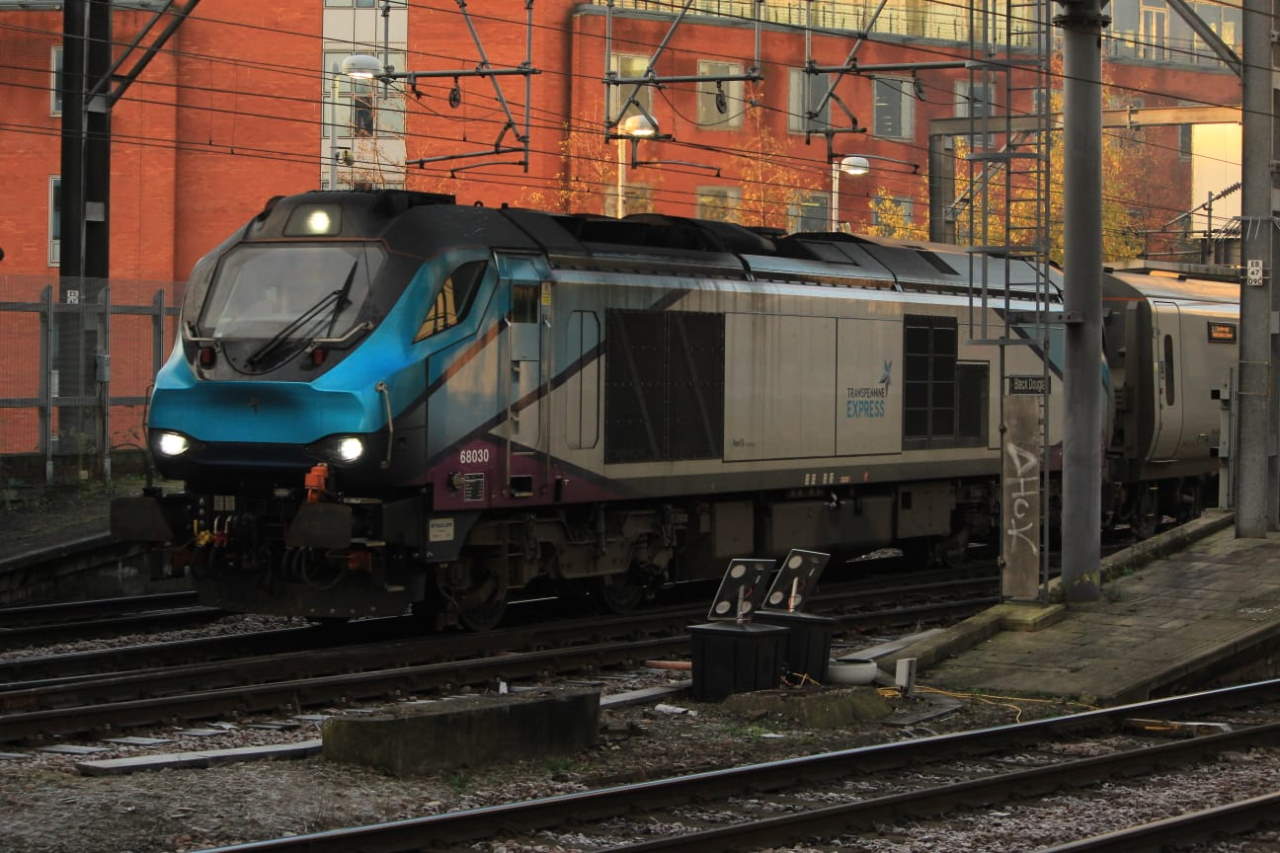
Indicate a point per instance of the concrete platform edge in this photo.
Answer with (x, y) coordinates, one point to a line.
(1171, 541)
(982, 626)
(1141, 691)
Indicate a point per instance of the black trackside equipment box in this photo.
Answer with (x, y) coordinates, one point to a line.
(808, 642)
(735, 658)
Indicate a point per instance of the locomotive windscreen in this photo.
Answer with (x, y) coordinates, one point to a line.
(293, 291)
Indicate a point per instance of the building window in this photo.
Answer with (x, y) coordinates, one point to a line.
(973, 99)
(56, 85)
(720, 105)
(55, 221)
(347, 4)
(894, 105)
(804, 95)
(720, 203)
(629, 65)
(1040, 101)
(636, 198)
(1184, 141)
(904, 206)
(1153, 30)
(810, 212)
(363, 107)
(929, 380)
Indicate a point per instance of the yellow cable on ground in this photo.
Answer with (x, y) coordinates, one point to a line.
(986, 699)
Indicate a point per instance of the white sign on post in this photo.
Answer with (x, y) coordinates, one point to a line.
(1253, 272)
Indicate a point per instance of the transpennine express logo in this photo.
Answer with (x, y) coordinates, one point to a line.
(868, 401)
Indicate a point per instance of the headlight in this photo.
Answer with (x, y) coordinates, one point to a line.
(172, 444)
(350, 449)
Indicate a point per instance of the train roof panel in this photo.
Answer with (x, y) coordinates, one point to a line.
(1177, 288)
(804, 270)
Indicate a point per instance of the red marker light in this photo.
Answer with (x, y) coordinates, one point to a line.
(207, 357)
(318, 356)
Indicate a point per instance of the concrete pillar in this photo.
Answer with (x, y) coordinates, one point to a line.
(1082, 22)
(1253, 396)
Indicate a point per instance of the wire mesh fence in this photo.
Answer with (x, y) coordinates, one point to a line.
(80, 356)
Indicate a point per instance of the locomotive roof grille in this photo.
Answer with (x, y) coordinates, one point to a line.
(937, 263)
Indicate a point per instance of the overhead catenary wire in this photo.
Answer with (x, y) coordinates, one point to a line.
(724, 149)
(802, 162)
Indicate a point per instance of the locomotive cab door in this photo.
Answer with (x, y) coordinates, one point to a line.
(524, 368)
(1166, 358)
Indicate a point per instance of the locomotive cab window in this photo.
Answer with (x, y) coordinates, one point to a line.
(453, 300)
(524, 303)
(297, 290)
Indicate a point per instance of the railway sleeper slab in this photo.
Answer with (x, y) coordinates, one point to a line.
(470, 731)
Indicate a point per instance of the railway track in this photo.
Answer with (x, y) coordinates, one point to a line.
(306, 677)
(877, 597)
(628, 806)
(44, 624)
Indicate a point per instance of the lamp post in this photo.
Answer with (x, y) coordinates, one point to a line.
(358, 66)
(851, 165)
(630, 129)
(855, 164)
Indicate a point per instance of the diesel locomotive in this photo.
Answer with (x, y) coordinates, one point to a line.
(383, 400)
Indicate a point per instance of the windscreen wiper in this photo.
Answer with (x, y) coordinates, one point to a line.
(343, 301)
(336, 299)
(261, 353)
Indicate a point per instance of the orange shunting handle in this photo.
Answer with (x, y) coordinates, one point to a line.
(316, 482)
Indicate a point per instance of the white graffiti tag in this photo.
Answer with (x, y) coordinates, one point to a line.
(1020, 491)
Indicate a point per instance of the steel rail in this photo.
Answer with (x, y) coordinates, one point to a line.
(305, 692)
(1230, 819)
(314, 663)
(51, 668)
(98, 608)
(397, 674)
(453, 828)
(832, 821)
(34, 635)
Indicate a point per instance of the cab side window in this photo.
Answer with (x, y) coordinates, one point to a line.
(453, 300)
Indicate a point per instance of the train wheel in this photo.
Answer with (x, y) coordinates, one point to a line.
(619, 593)
(478, 593)
(1146, 515)
(1190, 500)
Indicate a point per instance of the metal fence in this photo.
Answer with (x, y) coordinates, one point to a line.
(79, 359)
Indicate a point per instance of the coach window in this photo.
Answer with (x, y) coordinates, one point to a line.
(1168, 370)
(972, 386)
(929, 381)
(453, 300)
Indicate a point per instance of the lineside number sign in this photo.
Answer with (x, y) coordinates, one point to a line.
(1028, 385)
(1253, 272)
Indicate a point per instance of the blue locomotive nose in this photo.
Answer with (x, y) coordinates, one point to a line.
(262, 412)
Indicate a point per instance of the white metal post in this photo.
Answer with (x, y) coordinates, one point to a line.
(620, 207)
(835, 195)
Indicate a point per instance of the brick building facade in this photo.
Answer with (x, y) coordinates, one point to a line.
(235, 109)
